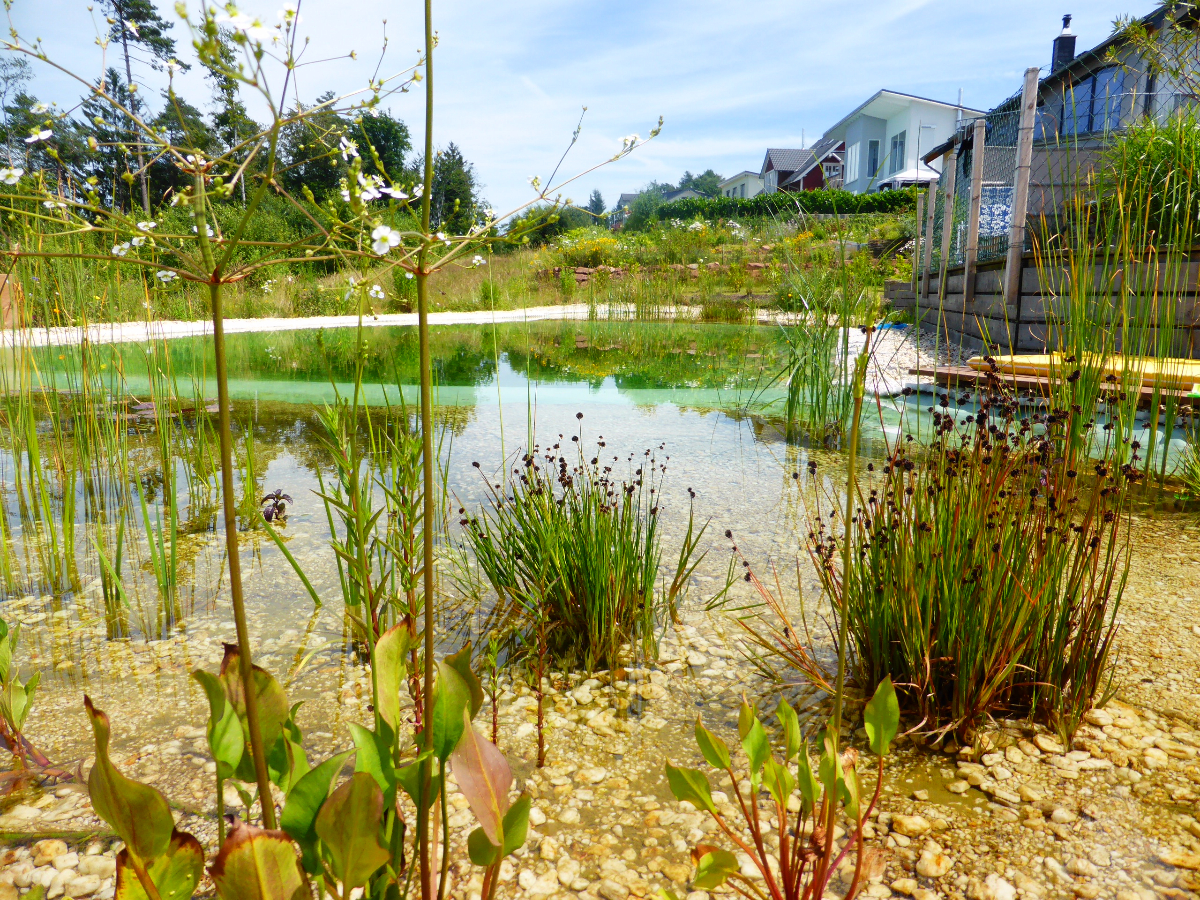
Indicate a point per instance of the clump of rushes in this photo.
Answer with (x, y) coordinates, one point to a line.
(574, 547)
(985, 572)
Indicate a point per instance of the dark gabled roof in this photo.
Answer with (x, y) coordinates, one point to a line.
(784, 160)
(1088, 58)
(816, 154)
(626, 199)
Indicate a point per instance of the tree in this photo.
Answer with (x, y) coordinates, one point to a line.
(310, 150)
(14, 75)
(57, 156)
(596, 206)
(391, 141)
(108, 164)
(454, 206)
(137, 23)
(182, 125)
(707, 183)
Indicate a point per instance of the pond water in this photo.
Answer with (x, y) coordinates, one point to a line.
(707, 395)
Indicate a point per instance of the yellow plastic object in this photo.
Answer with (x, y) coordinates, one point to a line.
(1171, 373)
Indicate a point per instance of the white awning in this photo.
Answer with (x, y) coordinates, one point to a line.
(910, 176)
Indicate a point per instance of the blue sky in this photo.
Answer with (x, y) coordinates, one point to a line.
(730, 79)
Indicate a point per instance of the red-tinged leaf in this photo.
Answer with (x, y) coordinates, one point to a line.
(273, 707)
(391, 663)
(256, 864)
(136, 812)
(484, 778)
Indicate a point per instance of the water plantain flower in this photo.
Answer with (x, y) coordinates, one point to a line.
(11, 175)
(383, 239)
(121, 249)
(376, 292)
(38, 134)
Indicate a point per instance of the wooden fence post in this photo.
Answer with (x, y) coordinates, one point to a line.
(916, 257)
(978, 140)
(1014, 264)
(948, 218)
(929, 215)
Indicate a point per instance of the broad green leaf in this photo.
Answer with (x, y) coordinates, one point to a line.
(715, 753)
(272, 702)
(713, 869)
(304, 802)
(791, 729)
(778, 780)
(226, 741)
(409, 778)
(746, 717)
(667, 894)
(175, 874)
(882, 717)
(8, 642)
(482, 851)
(484, 778)
(810, 787)
(391, 666)
(461, 663)
(516, 825)
(256, 864)
(375, 758)
(829, 769)
(349, 825)
(691, 785)
(451, 696)
(848, 786)
(137, 812)
(757, 748)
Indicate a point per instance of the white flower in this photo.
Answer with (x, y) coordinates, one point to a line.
(139, 240)
(268, 285)
(166, 276)
(630, 141)
(35, 135)
(348, 148)
(696, 226)
(54, 204)
(174, 67)
(478, 261)
(40, 109)
(11, 176)
(288, 13)
(251, 27)
(146, 226)
(376, 292)
(207, 228)
(121, 249)
(408, 274)
(383, 239)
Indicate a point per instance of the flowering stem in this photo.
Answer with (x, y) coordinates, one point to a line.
(426, 462)
(227, 501)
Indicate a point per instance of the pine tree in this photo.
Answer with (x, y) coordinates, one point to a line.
(137, 24)
(453, 202)
(14, 75)
(231, 122)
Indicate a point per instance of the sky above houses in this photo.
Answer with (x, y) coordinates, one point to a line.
(729, 79)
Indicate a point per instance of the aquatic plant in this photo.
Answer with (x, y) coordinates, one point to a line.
(16, 696)
(807, 854)
(574, 548)
(984, 573)
(274, 505)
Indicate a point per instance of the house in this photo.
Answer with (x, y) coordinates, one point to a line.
(685, 194)
(886, 137)
(742, 185)
(802, 170)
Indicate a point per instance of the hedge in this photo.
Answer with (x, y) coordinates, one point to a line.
(822, 201)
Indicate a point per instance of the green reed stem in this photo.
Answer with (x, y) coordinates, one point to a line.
(426, 462)
(229, 505)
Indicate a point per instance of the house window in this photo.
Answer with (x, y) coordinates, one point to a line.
(896, 156)
(743, 190)
(872, 158)
(1094, 103)
(852, 162)
(772, 182)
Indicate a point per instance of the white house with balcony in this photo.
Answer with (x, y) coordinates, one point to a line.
(742, 185)
(886, 136)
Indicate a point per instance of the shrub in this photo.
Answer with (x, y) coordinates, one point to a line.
(781, 204)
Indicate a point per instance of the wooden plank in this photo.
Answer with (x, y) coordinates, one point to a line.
(965, 376)
(948, 214)
(930, 207)
(916, 257)
(978, 142)
(1020, 202)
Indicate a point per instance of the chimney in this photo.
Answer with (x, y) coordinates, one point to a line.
(1064, 47)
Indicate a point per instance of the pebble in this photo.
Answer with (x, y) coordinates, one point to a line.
(1047, 744)
(910, 826)
(612, 890)
(933, 865)
(45, 851)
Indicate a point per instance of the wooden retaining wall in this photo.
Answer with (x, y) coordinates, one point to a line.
(1024, 326)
